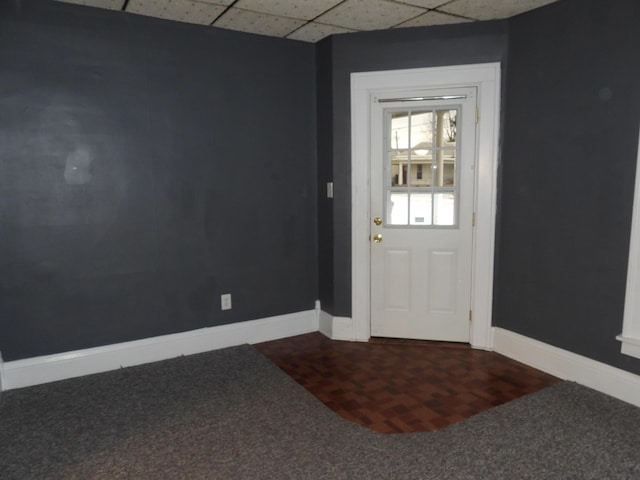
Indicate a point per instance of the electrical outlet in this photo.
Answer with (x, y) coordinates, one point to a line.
(225, 301)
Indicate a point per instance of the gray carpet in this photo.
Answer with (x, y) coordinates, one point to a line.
(231, 414)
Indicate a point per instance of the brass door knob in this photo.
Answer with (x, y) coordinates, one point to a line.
(377, 238)
(377, 221)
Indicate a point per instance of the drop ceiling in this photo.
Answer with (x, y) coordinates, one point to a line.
(312, 20)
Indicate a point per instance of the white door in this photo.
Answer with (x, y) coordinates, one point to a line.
(422, 198)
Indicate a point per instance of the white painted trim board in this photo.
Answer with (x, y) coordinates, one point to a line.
(568, 365)
(336, 328)
(325, 324)
(486, 77)
(50, 368)
(630, 336)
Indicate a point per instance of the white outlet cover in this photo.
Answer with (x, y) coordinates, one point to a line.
(225, 301)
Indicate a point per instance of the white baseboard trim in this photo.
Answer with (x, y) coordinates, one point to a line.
(568, 365)
(336, 328)
(325, 324)
(1, 374)
(343, 329)
(630, 345)
(50, 368)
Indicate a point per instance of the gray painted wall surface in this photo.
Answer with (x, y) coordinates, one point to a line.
(324, 54)
(147, 167)
(570, 132)
(194, 177)
(572, 113)
(372, 51)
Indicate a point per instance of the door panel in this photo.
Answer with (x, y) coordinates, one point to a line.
(422, 189)
(442, 281)
(398, 278)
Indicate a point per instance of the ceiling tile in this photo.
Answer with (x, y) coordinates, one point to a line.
(303, 9)
(260, 23)
(312, 32)
(109, 4)
(491, 9)
(369, 14)
(287, 18)
(181, 10)
(433, 18)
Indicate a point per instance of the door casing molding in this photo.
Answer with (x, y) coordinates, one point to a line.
(630, 336)
(486, 77)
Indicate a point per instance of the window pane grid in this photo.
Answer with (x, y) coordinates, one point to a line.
(421, 167)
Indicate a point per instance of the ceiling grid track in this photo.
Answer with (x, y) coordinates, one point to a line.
(313, 20)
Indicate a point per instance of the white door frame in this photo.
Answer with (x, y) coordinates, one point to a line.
(486, 77)
(630, 336)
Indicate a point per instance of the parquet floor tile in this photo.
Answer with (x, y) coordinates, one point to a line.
(394, 386)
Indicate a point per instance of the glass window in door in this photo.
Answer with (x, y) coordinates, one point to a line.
(420, 180)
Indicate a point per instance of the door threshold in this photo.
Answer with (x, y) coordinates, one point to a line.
(418, 343)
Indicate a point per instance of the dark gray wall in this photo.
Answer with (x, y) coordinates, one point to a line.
(324, 59)
(570, 119)
(146, 167)
(568, 164)
(194, 177)
(385, 50)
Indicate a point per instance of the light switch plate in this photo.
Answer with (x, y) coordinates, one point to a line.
(329, 189)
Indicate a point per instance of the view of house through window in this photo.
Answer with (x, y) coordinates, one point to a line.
(421, 167)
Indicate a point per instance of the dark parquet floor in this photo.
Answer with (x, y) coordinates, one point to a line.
(403, 386)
